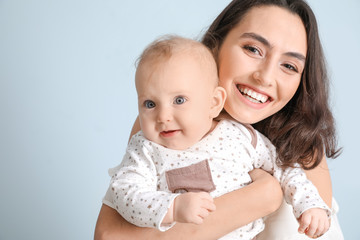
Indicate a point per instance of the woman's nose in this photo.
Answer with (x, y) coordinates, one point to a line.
(265, 74)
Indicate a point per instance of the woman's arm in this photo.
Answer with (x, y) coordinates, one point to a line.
(320, 177)
(135, 128)
(233, 210)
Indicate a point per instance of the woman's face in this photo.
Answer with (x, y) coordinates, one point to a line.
(261, 61)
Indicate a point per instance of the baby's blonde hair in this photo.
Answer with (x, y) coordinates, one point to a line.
(163, 48)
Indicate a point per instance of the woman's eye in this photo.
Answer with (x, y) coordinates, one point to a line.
(252, 49)
(290, 67)
(179, 100)
(149, 104)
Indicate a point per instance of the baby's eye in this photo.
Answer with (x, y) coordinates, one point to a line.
(179, 100)
(149, 104)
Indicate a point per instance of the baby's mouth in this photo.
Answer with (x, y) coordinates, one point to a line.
(251, 95)
(169, 133)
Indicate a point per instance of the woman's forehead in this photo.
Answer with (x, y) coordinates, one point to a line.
(277, 25)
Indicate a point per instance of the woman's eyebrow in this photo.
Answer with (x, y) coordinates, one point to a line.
(256, 37)
(264, 41)
(299, 56)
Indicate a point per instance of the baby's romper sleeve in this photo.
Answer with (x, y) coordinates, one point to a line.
(134, 187)
(298, 190)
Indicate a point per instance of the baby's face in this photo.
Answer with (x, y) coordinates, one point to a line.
(175, 99)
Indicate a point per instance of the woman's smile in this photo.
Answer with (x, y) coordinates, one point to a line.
(252, 95)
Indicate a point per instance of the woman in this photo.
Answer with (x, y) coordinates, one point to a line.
(271, 64)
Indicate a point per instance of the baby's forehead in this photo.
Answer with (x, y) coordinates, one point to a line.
(166, 47)
(197, 52)
(157, 56)
(194, 61)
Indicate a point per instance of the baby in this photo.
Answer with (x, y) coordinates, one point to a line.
(183, 157)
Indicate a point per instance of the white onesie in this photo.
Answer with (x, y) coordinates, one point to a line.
(143, 186)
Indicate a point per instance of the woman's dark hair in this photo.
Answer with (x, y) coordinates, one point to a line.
(304, 129)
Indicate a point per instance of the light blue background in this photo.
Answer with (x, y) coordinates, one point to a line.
(67, 103)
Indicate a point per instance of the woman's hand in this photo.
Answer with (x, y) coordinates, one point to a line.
(271, 187)
(258, 173)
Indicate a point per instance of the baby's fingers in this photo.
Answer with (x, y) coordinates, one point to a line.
(314, 222)
(205, 195)
(203, 213)
(209, 205)
(322, 228)
(198, 219)
(304, 222)
(313, 227)
(207, 201)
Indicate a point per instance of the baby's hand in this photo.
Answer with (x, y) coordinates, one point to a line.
(314, 222)
(193, 207)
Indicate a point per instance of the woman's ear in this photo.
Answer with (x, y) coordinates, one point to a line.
(218, 101)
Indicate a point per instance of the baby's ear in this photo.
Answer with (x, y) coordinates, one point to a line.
(218, 101)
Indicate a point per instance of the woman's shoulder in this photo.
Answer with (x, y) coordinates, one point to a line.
(241, 131)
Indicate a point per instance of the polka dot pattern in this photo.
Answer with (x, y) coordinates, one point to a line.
(140, 193)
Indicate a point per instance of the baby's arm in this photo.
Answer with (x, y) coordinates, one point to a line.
(309, 208)
(134, 188)
(320, 177)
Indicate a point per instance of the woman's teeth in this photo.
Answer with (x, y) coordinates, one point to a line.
(253, 96)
